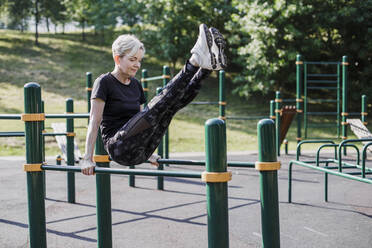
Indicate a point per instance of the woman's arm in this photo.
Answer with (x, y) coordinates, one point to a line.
(96, 112)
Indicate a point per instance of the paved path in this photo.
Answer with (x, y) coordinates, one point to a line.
(144, 217)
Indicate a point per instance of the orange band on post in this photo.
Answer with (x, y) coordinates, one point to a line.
(222, 117)
(32, 167)
(299, 100)
(101, 158)
(344, 114)
(166, 76)
(222, 103)
(299, 62)
(364, 113)
(345, 63)
(216, 177)
(278, 100)
(267, 166)
(70, 134)
(33, 117)
(88, 89)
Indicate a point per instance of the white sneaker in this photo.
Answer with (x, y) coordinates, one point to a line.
(218, 48)
(202, 49)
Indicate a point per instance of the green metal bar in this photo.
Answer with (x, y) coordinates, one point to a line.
(202, 163)
(166, 73)
(222, 95)
(364, 158)
(322, 81)
(338, 101)
(145, 86)
(322, 75)
(103, 192)
(268, 185)
(89, 85)
(272, 110)
(321, 63)
(299, 99)
(34, 155)
(132, 178)
(322, 88)
(70, 152)
(258, 117)
(298, 151)
(342, 145)
(63, 116)
(139, 172)
(148, 79)
(305, 101)
(278, 110)
(344, 97)
(43, 145)
(364, 110)
(160, 179)
(217, 203)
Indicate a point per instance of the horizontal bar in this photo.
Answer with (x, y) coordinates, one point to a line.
(246, 117)
(322, 75)
(104, 170)
(153, 78)
(336, 173)
(202, 162)
(63, 116)
(204, 103)
(22, 134)
(323, 81)
(321, 100)
(321, 63)
(321, 113)
(321, 88)
(18, 116)
(321, 125)
(288, 100)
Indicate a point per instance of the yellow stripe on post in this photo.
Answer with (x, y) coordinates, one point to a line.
(101, 158)
(222, 103)
(33, 117)
(267, 166)
(88, 89)
(216, 177)
(32, 167)
(166, 76)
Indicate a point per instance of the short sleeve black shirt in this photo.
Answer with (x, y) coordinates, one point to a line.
(122, 102)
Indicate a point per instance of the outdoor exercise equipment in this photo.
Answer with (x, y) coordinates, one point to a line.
(354, 171)
(215, 177)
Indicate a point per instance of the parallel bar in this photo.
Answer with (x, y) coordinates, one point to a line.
(258, 117)
(62, 116)
(323, 81)
(202, 163)
(321, 63)
(322, 88)
(204, 103)
(322, 113)
(322, 75)
(139, 172)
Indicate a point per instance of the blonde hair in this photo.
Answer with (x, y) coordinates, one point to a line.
(126, 44)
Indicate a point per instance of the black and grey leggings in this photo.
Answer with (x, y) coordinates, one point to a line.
(136, 141)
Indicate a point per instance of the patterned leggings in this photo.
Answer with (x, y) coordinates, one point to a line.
(136, 141)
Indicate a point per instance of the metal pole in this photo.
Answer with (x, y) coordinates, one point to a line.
(43, 146)
(34, 156)
(161, 154)
(278, 113)
(166, 75)
(89, 88)
(103, 189)
(217, 204)
(299, 99)
(70, 158)
(222, 96)
(268, 167)
(144, 85)
(344, 113)
(272, 110)
(364, 110)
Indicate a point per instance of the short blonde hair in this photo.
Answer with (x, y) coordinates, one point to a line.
(126, 44)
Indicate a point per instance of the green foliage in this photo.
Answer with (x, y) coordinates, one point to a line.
(267, 35)
(19, 12)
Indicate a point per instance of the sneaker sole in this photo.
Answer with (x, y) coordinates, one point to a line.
(209, 40)
(221, 44)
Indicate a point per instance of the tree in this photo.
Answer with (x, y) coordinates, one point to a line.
(267, 35)
(19, 12)
(78, 11)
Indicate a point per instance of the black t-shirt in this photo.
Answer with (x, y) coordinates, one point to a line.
(122, 102)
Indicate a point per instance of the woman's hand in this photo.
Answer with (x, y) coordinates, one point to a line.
(87, 166)
(154, 159)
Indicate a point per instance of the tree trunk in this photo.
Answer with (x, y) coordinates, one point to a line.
(83, 31)
(55, 28)
(63, 28)
(36, 22)
(47, 24)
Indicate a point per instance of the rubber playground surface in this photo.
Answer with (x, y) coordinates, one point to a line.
(144, 217)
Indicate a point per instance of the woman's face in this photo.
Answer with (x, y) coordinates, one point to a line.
(129, 64)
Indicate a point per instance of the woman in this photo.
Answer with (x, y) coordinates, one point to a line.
(131, 134)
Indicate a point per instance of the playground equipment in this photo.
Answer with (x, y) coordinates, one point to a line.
(355, 172)
(215, 176)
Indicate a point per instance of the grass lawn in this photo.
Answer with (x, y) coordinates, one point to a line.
(59, 65)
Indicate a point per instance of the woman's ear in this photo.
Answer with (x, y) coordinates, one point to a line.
(116, 59)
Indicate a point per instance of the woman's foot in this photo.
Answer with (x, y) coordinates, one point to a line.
(208, 51)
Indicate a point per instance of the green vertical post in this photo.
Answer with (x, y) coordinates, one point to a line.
(299, 99)
(166, 75)
(58, 160)
(305, 101)
(222, 96)
(34, 155)
(278, 113)
(364, 112)
(161, 154)
(132, 178)
(144, 86)
(89, 88)
(338, 101)
(70, 158)
(272, 110)
(103, 189)
(217, 204)
(43, 146)
(344, 113)
(268, 183)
